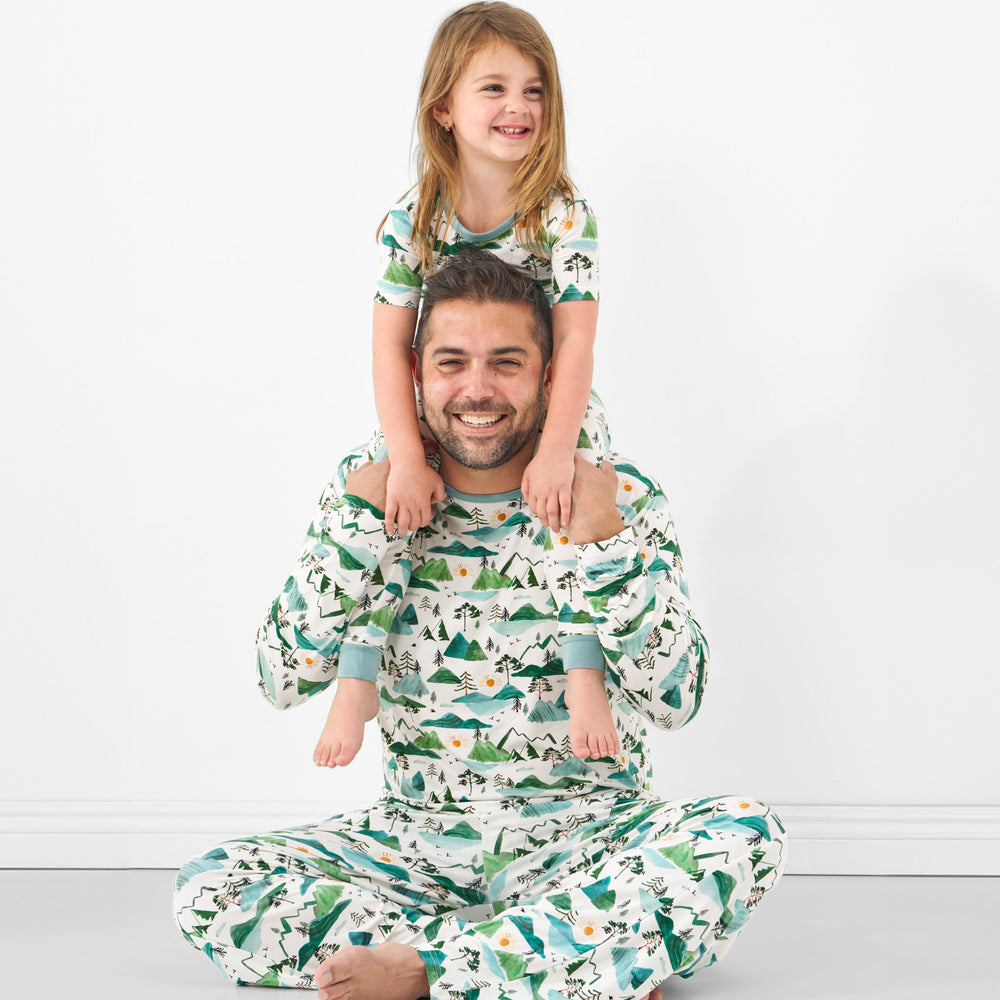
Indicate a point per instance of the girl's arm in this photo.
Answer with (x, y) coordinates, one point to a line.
(413, 487)
(548, 480)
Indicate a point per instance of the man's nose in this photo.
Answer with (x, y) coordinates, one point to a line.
(479, 382)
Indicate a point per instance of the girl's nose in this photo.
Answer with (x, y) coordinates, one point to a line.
(515, 104)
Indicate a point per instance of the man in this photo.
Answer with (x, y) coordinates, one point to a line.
(497, 864)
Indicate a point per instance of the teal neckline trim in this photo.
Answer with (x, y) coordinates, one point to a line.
(470, 237)
(483, 497)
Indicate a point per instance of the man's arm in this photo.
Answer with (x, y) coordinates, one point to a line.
(347, 560)
(630, 585)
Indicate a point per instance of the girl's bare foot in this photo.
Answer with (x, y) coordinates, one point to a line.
(655, 995)
(592, 731)
(355, 702)
(388, 971)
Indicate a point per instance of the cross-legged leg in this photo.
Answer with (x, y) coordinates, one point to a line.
(615, 908)
(270, 910)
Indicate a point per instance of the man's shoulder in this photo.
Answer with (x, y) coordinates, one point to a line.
(371, 450)
(638, 489)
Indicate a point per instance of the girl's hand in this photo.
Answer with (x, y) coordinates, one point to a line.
(547, 486)
(410, 495)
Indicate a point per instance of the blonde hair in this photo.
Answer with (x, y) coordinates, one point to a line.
(461, 36)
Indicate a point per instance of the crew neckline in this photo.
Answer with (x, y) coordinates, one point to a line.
(483, 497)
(472, 237)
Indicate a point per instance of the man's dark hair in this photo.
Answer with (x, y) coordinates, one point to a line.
(475, 275)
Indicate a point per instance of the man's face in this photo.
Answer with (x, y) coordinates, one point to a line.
(483, 386)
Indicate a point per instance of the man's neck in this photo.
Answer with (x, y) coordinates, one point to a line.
(481, 482)
(487, 482)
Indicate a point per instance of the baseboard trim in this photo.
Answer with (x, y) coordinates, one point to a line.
(824, 839)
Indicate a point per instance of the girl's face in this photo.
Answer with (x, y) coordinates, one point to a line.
(495, 108)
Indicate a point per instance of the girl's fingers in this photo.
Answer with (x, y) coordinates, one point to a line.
(552, 509)
(565, 504)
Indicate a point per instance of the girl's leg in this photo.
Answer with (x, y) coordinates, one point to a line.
(355, 699)
(591, 726)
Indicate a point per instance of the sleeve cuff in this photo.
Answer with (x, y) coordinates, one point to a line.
(582, 651)
(360, 661)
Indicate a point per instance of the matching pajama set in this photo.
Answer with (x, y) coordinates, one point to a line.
(515, 869)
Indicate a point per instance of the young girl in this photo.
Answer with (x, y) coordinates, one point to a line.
(491, 173)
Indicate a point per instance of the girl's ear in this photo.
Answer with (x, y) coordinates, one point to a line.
(441, 113)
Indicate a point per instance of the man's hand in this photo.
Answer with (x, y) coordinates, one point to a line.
(595, 516)
(368, 483)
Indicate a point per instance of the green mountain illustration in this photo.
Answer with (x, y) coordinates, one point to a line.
(528, 612)
(458, 647)
(433, 569)
(490, 579)
(487, 752)
(475, 651)
(458, 549)
(547, 711)
(572, 765)
(452, 721)
(429, 741)
(397, 273)
(442, 676)
(415, 750)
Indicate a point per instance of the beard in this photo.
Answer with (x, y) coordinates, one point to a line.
(520, 428)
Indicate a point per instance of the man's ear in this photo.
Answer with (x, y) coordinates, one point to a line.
(547, 384)
(415, 367)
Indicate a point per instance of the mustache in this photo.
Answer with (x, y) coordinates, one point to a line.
(478, 406)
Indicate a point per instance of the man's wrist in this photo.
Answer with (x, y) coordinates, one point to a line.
(599, 531)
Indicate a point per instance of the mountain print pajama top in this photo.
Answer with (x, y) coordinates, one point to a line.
(514, 868)
(564, 260)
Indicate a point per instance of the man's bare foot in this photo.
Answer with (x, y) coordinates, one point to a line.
(355, 702)
(388, 971)
(592, 731)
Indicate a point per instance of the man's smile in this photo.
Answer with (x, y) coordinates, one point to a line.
(479, 421)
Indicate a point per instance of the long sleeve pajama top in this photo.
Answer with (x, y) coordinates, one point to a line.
(480, 614)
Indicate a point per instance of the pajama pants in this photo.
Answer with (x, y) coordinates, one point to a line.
(594, 897)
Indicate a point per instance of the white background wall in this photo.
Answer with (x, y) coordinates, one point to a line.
(800, 306)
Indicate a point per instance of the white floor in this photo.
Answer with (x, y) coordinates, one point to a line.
(110, 934)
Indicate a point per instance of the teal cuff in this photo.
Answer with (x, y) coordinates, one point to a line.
(582, 651)
(360, 661)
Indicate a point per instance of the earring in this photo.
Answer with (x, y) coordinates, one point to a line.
(446, 126)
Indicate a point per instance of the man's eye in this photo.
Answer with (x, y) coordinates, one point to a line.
(509, 363)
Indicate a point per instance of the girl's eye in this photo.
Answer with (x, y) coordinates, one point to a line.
(534, 91)
(494, 87)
